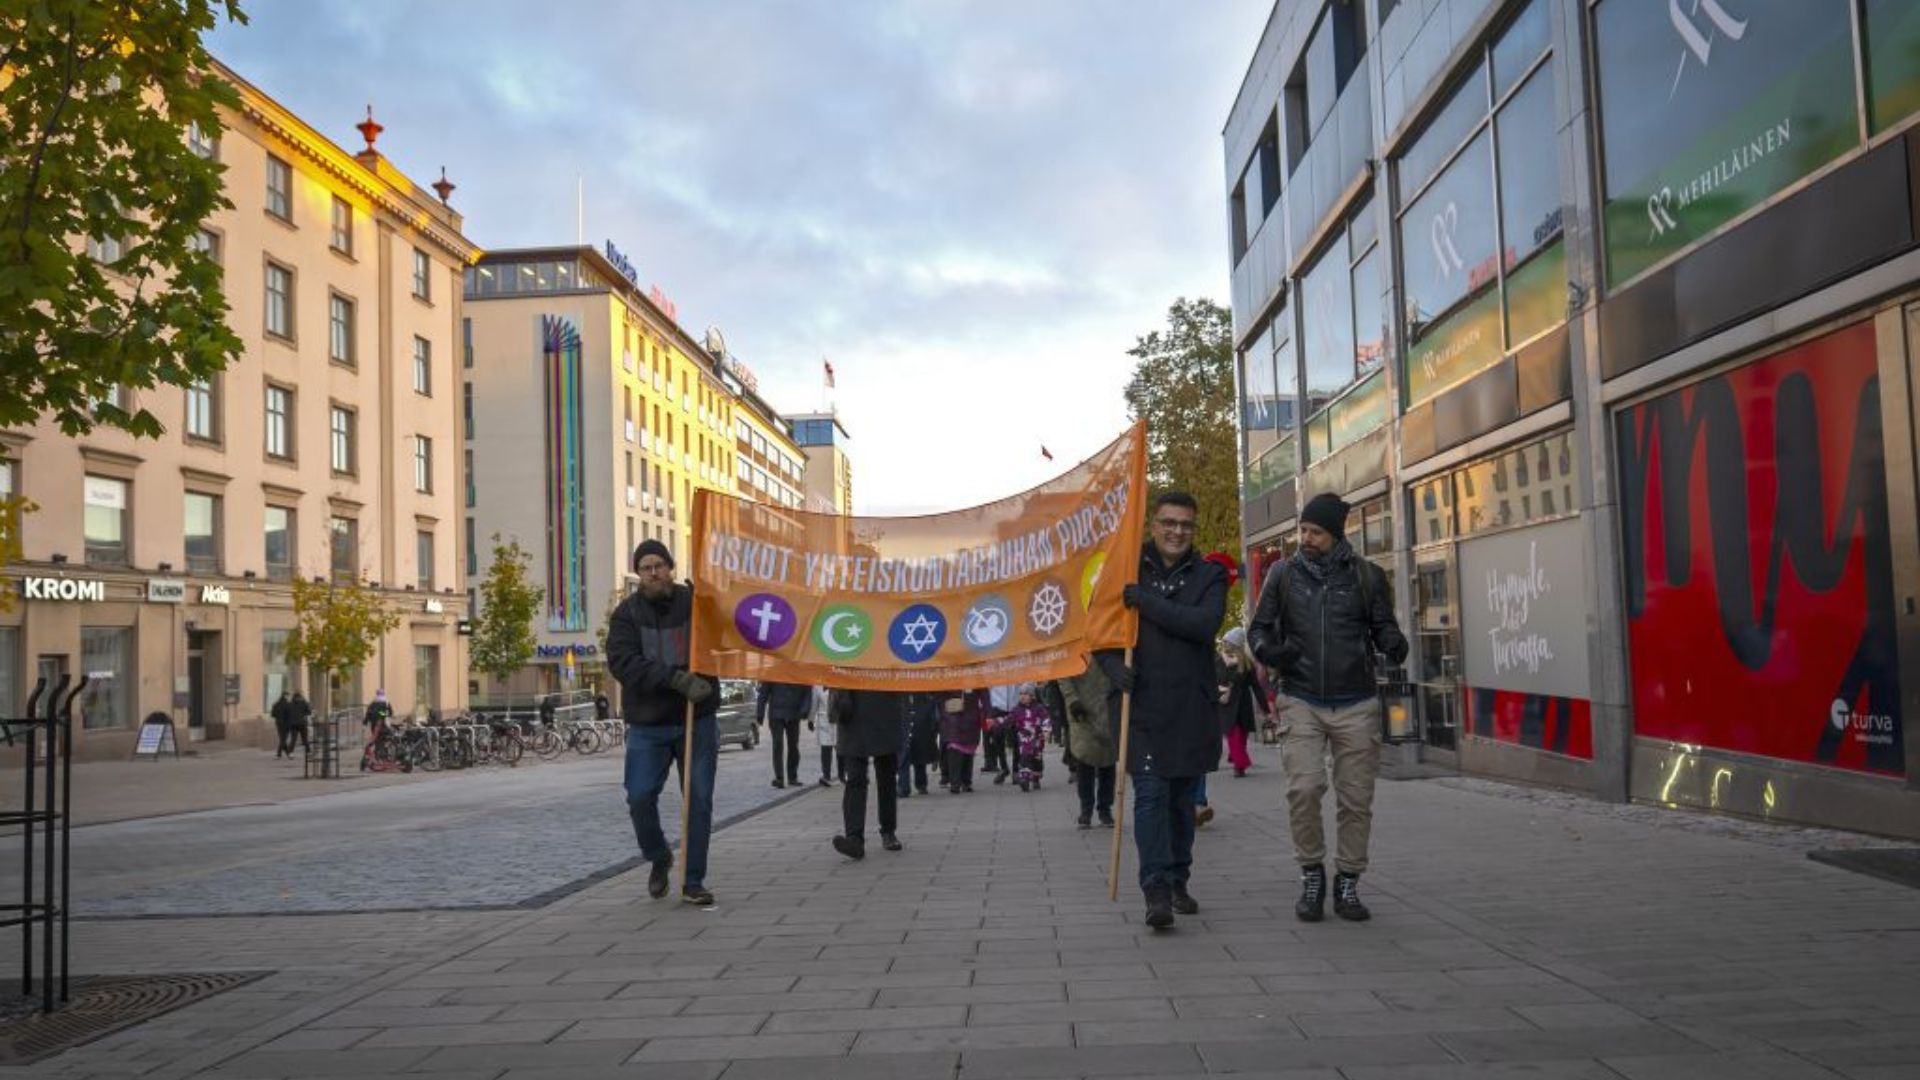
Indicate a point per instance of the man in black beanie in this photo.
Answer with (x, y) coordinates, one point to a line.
(1322, 616)
(647, 650)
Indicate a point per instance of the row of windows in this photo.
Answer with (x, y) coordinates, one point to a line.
(202, 422)
(106, 526)
(340, 223)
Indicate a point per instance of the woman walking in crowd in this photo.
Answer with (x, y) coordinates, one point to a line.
(963, 713)
(1242, 706)
(1090, 728)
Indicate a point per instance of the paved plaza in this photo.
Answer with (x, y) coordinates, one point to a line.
(1515, 933)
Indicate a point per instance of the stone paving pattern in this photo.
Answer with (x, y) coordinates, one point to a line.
(1513, 936)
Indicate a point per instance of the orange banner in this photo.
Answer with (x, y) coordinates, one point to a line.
(1017, 590)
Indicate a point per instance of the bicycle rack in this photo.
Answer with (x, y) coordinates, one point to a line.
(46, 863)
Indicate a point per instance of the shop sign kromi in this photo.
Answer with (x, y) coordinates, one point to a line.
(46, 588)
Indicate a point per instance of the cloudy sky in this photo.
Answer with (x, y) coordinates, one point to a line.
(971, 207)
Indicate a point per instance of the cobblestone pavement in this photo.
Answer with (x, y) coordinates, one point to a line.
(1512, 936)
(494, 837)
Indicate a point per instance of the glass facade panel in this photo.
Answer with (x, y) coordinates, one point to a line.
(1529, 193)
(275, 670)
(1893, 61)
(426, 677)
(1520, 45)
(1369, 312)
(1443, 135)
(1327, 338)
(1447, 237)
(1260, 395)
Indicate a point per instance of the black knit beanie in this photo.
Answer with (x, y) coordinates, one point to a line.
(1328, 511)
(651, 547)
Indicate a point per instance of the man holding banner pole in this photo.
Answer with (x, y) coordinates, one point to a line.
(1172, 737)
(672, 717)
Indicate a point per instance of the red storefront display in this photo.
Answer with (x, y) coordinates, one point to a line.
(1759, 571)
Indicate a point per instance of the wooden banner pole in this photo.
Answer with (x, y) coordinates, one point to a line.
(686, 794)
(1120, 788)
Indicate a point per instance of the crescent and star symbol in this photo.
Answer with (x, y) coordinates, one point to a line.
(842, 631)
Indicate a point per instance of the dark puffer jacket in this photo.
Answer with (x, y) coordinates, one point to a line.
(646, 643)
(1321, 636)
(783, 701)
(1175, 727)
(867, 722)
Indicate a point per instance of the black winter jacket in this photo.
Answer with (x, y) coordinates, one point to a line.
(1321, 638)
(783, 701)
(1175, 725)
(868, 722)
(646, 644)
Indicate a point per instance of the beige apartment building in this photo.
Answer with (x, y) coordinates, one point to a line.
(160, 567)
(591, 417)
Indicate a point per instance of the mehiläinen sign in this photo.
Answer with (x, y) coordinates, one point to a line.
(1524, 608)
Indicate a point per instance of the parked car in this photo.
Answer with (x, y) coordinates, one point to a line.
(737, 722)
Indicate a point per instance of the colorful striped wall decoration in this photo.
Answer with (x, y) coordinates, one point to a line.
(566, 481)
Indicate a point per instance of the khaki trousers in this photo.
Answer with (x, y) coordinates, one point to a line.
(1308, 734)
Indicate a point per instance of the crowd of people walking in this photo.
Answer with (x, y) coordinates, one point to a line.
(1302, 675)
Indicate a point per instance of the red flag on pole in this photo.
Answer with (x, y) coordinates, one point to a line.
(1045, 453)
(828, 364)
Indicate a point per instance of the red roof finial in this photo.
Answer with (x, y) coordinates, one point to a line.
(443, 185)
(369, 128)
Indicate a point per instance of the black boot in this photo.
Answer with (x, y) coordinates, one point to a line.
(1086, 819)
(1312, 905)
(659, 876)
(851, 847)
(1346, 898)
(1183, 902)
(1159, 906)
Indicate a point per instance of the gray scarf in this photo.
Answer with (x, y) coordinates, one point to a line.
(1318, 566)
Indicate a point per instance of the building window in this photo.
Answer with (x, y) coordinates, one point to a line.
(104, 250)
(466, 342)
(202, 532)
(422, 464)
(276, 672)
(472, 493)
(1483, 269)
(279, 283)
(343, 535)
(106, 655)
(106, 521)
(422, 275)
(279, 422)
(422, 366)
(466, 410)
(201, 143)
(206, 242)
(340, 330)
(423, 558)
(279, 189)
(340, 236)
(279, 543)
(202, 416)
(341, 441)
(473, 552)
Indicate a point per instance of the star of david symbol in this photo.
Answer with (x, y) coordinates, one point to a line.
(919, 635)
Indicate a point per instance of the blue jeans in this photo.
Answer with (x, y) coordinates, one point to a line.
(1200, 790)
(1163, 827)
(651, 750)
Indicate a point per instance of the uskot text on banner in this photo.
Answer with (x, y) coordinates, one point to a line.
(1016, 590)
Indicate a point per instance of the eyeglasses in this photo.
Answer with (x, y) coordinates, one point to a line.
(655, 568)
(1175, 524)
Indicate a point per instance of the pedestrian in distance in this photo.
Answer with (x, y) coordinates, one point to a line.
(781, 706)
(869, 744)
(1174, 736)
(299, 721)
(1027, 728)
(282, 713)
(1091, 723)
(1322, 616)
(602, 708)
(919, 742)
(373, 724)
(820, 722)
(648, 642)
(997, 740)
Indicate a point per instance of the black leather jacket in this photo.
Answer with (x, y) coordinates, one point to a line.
(1321, 637)
(646, 644)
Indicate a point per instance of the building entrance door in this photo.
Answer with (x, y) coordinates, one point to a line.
(1437, 644)
(199, 690)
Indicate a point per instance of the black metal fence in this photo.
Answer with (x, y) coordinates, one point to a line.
(44, 818)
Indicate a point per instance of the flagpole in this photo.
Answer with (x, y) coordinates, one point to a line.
(686, 796)
(1120, 788)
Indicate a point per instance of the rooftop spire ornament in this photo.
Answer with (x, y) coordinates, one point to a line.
(370, 129)
(443, 185)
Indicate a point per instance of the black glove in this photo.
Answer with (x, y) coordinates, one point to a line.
(690, 686)
(1130, 596)
(1121, 676)
(810, 726)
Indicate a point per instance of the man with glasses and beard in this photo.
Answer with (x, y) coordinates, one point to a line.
(1175, 736)
(647, 650)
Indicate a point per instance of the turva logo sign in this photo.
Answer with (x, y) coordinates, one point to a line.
(215, 594)
(45, 588)
(1866, 727)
